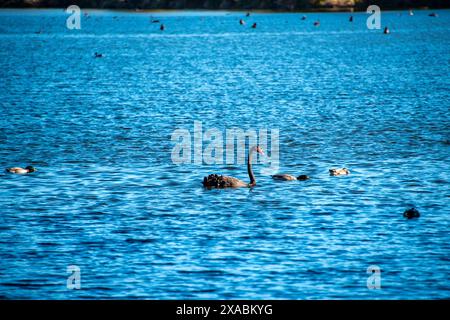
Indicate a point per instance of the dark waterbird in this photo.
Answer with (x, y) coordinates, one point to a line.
(411, 213)
(222, 182)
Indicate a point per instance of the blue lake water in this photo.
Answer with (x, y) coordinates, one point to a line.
(108, 198)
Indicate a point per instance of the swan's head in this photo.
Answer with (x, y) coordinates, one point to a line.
(258, 149)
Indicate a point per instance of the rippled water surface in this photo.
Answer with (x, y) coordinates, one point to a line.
(108, 198)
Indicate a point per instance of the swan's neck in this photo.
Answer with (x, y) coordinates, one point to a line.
(249, 168)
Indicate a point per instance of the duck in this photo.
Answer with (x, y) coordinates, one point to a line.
(19, 170)
(339, 172)
(411, 213)
(98, 55)
(162, 27)
(386, 30)
(303, 17)
(317, 23)
(241, 22)
(254, 25)
(288, 177)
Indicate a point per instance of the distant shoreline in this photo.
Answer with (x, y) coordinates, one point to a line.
(315, 10)
(233, 5)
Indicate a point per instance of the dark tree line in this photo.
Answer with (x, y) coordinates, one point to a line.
(284, 5)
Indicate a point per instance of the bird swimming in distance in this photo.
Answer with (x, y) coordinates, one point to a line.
(162, 27)
(254, 25)
(386, 30)
(339, 172)
(317, 23)
(241, 22)
(433, 14)
(303, 17)
(222, 182)
(288, 177)
(248, 14)
(411, 213)
(98, 55)
(350, 19)
(19, 170)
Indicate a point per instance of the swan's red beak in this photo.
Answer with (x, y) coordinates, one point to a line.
(259, 150)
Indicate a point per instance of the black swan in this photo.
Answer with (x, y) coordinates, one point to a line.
(222, 182)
